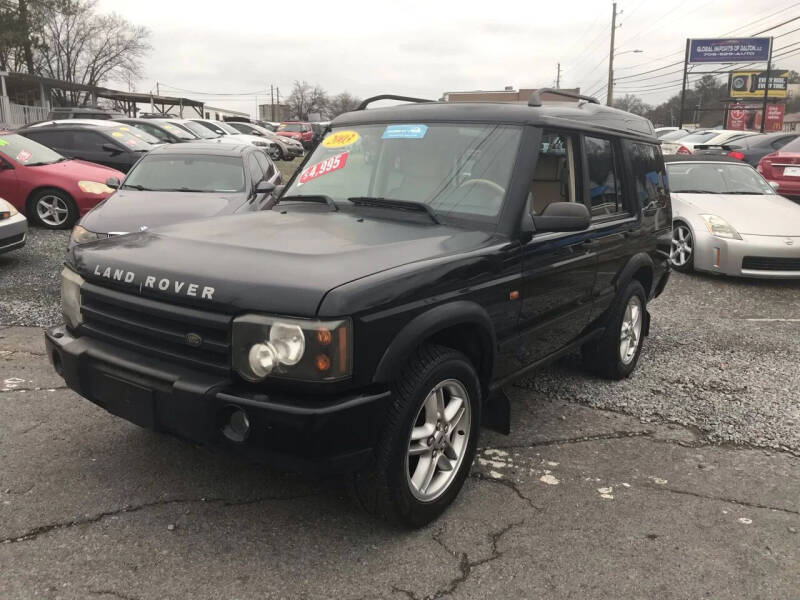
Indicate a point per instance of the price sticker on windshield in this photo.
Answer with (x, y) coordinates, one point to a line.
(24, 156)
(340, 139)
(329, 165)
(3, 142)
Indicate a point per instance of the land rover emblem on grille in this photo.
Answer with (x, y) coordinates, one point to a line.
(193, 340)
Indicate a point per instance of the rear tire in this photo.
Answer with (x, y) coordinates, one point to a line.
(615, 354)
(52, 208)
(428, 443)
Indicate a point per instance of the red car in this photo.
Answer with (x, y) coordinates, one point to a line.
(50, 189)
(297, 130)
(783, 167)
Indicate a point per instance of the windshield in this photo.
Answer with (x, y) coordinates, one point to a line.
(716, 178)
(199, 130)
(26, 151)
(674, 135)
(187, 173)
(228, 129)
(699, 137)
(459, 170)
(132, 130)
(296, 127)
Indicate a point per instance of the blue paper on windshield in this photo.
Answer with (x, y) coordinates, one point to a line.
(404, 132)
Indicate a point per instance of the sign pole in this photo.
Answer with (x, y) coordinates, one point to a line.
(683, 85)
(766, 89)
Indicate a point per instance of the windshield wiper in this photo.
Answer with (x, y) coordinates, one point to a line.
(747, 193)
(320, 198)
(136, 186)
(694, 192)
(405, 205)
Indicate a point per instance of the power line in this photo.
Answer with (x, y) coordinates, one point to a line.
(776, 26)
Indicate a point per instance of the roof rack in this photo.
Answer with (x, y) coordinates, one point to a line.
(536, 100)
(369, 101)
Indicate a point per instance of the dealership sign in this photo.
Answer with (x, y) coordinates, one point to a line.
(729, 50)
(751, 84)
(748, 116)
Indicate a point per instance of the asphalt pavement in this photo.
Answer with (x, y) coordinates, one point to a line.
(681, 482)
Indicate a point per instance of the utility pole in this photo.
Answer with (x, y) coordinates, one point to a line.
(610, 93)
(558, 77)
(272, 101)
(158, 92)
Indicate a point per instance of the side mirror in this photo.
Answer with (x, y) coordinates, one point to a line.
(562, 216)
(111, 148)
(113, 183)
(265, 187)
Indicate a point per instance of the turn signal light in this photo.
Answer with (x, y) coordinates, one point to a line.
(322, 362)
(324, 336)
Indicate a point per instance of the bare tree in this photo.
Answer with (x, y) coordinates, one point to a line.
(342, 103)
(305, 99)
(81, 46)
(20, 33)
(632, 104)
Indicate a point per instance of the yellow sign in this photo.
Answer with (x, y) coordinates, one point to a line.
(340, 139)
(750, 84)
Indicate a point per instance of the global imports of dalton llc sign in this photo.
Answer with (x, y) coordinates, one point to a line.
(729, 50)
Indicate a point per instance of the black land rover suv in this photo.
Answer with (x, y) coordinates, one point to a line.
(423, 256)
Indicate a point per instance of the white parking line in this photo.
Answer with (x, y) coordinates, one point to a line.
(775, 320)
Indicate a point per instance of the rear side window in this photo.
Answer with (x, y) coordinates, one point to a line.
(605, 186)
(649, 175)
(52, 139)
(554, 176)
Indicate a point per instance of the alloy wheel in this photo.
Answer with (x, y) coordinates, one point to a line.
(438, 440)
(52, 210)
(631, 331)
(681, 251)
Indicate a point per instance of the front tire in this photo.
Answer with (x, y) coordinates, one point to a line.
(429, 440)
(52, 208)
(615, 354)
(681, 255)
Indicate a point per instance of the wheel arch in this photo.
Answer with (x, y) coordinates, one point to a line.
(464, 326)
(641, 268)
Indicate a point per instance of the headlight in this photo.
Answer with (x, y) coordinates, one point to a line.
(80, 235)
(260, 143)
(94, 187)
(7, 209)
(71, 284)
(291, 348)
(720, 227)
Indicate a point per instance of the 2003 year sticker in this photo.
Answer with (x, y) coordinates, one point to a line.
(329, 165)
(340, 139)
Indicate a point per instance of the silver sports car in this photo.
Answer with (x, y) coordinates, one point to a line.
(728, 219)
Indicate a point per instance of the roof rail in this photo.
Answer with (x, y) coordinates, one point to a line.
(535, 99)
(364, 104)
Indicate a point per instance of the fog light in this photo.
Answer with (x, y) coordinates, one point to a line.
(237, 429)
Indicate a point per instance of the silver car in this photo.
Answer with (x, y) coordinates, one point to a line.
(727, 219)
(13, 227)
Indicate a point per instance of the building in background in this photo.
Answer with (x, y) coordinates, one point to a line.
(219, 114)
(509, 94)
(274, 112)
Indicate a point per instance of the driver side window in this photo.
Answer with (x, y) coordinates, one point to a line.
(554, 177)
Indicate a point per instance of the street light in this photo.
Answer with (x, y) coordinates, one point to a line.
(610, 95)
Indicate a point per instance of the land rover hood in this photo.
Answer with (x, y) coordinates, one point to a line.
(279, 262)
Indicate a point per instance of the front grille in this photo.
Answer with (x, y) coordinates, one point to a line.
(767, 263)
(12, 240)
(156, 328)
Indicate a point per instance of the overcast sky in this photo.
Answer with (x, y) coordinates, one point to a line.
(425, 48)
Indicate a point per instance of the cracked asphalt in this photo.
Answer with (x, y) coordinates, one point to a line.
(681, 482)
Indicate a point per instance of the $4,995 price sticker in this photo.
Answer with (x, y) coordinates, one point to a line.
(329, 165)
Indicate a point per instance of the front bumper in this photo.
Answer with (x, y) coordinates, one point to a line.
(719, 255)
(13, 232)
(331, 433)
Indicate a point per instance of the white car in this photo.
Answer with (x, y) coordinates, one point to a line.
(728, 219)
(685, 145)
(13, 227)
(230, 134)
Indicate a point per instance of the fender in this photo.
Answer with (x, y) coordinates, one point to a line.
(636, 262)
(425, 325)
